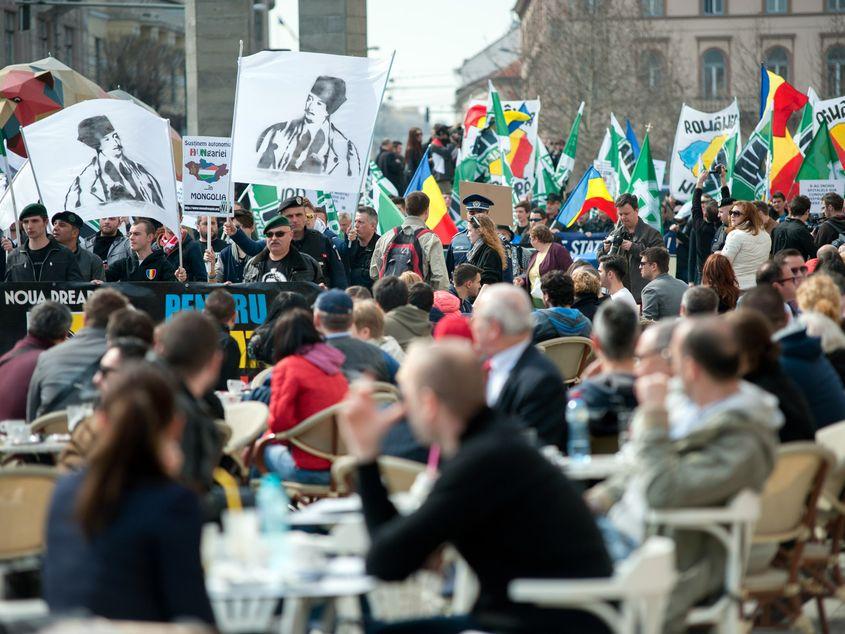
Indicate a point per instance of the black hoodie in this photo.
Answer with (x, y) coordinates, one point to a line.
(830, 230)
(154, 268)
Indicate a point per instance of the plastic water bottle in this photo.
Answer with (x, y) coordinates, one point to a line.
(272, 506)
(578, 421)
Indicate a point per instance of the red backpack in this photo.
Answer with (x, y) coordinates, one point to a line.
(403, 253)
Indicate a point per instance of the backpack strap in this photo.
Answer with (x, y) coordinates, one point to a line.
(383, 265)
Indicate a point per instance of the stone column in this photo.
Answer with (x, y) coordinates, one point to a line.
(333, 26)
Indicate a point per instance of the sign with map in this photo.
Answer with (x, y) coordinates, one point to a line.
(206, 168)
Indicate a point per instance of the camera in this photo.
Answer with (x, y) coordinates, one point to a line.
(617, 238)
(716, 169)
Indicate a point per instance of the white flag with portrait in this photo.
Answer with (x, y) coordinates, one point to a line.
(102, 158)
(305, 119)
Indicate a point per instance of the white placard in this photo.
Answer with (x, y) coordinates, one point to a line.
(815, 190)
(659, 172)
(305, 119)
(103, 158)
(206, 171)
(608, 174)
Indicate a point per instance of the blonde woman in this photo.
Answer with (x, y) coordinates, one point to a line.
(819, 294)
(747, 245)
(487, 252)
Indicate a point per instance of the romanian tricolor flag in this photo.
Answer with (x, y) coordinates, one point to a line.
(439, 220)
(779, 95)
(589, 193)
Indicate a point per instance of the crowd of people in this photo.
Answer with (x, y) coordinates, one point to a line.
(704, 368)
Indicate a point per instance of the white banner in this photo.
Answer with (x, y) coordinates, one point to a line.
(832, 111)
(206, 170)
(104, 157)
(699, 137)
(25, 193)
(305, 119)
(815, 191)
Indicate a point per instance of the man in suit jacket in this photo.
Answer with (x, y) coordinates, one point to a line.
(662, 295)
(522, 382)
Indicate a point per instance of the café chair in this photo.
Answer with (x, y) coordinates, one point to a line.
(259, 378)
(569, 354)
(398, 474)
(52, 423)
(247, 421)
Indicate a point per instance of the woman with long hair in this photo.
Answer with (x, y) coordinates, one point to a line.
(487, 251)
(413, 153)
(123, 537)
(748, 243)
(307, 378)
(718, 274)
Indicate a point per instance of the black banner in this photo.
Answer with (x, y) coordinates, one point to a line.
(160, 300)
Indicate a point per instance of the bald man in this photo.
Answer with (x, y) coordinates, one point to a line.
(494, 489)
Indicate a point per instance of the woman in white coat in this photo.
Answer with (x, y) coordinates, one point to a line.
(748, 243)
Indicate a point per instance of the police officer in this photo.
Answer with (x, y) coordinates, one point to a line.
(460, 245)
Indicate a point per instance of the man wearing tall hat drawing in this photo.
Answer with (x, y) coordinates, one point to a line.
(311, 143)
(111, 175)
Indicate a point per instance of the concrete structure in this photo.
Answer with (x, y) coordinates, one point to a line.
(333, 26)
(500, 62)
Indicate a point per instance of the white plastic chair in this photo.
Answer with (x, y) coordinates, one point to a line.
(247, 420)
(634, 599)
(833, 437)
(258, 380)
(733, 526)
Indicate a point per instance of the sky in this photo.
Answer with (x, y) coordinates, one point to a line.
(431, 39)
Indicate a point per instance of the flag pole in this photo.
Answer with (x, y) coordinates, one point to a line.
(178, 231)
(231, 193)
(373, 131)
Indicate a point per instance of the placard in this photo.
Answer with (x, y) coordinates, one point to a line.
(501, 213)
(206, 171)
(815, 191)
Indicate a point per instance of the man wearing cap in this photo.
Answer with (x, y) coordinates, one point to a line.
(333, 318)
(110, 176)
(66, 226)
(460, 245)
(40, 258)
(306, 241)
(311, 143)
(145, 264)
(553, 202)
(109, 244)
(280, 261)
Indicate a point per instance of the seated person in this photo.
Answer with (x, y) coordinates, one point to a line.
(558, 319)
(307, 378)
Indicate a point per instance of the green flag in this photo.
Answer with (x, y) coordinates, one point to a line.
(617, 161)
(389, 215)
(749, 177)
(644, 186)
(324, 199)
(383, 180)
(502, 136)
(544, 176)
(263, 198)
(567, 160)
(820, 159)
(804, 132)
(465, 170)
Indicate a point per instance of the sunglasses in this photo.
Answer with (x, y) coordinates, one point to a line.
(642, 264)
(309, 216)
(275, 234)
(536, 219)
(735, 212)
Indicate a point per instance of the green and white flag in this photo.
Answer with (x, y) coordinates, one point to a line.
(644, 186)
(820, 160)
(465, 170)
(616, 149)
(567, 159)
(389, 215)
(324, 199)
(502, 136)
(382, 180)
(804, 133)
(263, 198)
(749, 180)
(544, 181)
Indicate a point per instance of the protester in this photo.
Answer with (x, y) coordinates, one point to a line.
(280, 260)
(699, 300)
(191, 258)
(588, 297)
(399, 201)
(778, 202)
(466, 284)
(403, 320)
(362, 243)
(724, 214)
(832, 339)
(391, 165)
(260, 345)
(704, 221)
(307, 379)
(41, 258)
(66, 227)
(368, 325)
(217, 243)
(344, 221)
(553, 203)
(548, 256)
(662, 294)
(833, 228)
(612, 271)
(521, 212)
(48, 325)
(412, 247)
(628, 240)
(461, 244)
(130, 323)
(767, 222)
(609, 394)
(793, 259)
(144, 264)
(63, 370)
(517, 257)
(727, 445)
(220, 306)
(821, 312)
(747, 244)
(440, 155)
(828, 262)
(188, 345)
(123, 538)
(718, 274)
(559, 319)
(793, 232)
(358, 293)
(536, 217)
(801, 357)
(523, 382)
(471, 503)
(109, 244)
(760, 365)
(333, 319)
(652, 352)
(487, 252)
(781, 279)
(231, 260)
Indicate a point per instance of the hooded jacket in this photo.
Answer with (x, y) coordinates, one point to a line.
(154, 268)
(830, 230)
(406, 323)
(560, 321)
(792, 233)
(59, 265)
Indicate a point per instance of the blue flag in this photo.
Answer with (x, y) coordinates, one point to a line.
(632, 139)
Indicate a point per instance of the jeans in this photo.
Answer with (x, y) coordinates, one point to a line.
(619, 545)
(278, 459)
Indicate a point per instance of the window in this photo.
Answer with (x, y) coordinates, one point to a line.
(776, 6)
(836, 5)
(652, 8)
(714, 82)
(714, 7)
(9, 23)
(652, 69)
(777, 61)
(69, 45)
(835, 62)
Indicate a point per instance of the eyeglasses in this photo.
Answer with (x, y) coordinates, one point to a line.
(642, 264)
(275, 234)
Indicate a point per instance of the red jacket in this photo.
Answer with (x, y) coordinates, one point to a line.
(299, 389)
(16, 368)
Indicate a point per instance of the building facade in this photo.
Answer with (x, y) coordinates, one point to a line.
(499, 62)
